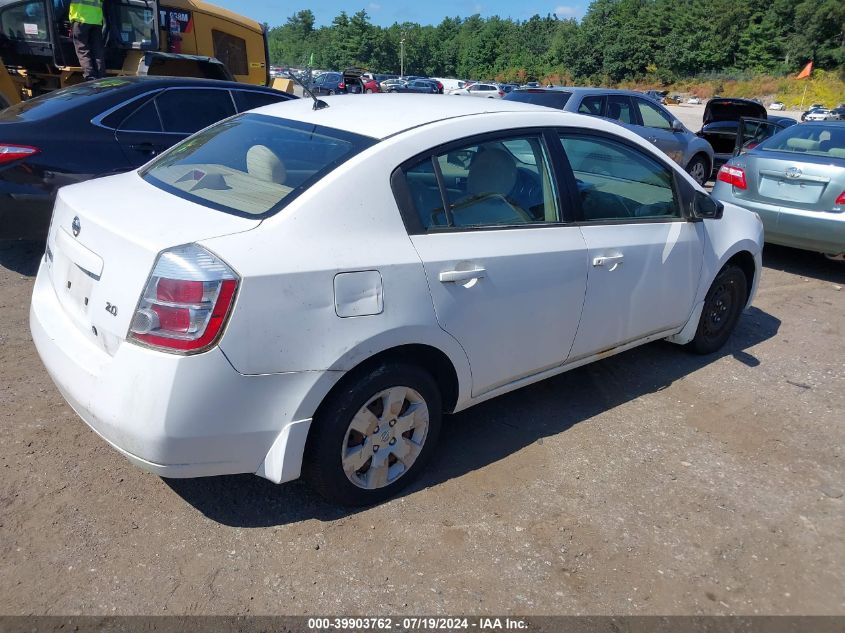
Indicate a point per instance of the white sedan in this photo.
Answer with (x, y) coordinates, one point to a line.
(821, 114)
(487, 91)
(242, 305)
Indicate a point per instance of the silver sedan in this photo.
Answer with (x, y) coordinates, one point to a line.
(795, 181)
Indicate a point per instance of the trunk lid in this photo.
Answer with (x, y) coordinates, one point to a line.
(104, 238)
(797, 181)
(725, 109)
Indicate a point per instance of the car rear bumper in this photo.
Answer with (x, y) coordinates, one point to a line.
(819, 231)
(176, 416)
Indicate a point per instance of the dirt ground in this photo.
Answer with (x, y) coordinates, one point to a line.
(655, 482)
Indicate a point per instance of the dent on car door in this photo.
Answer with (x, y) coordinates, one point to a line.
(644, 257)
(507, 277)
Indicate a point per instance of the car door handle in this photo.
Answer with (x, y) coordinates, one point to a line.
(144, 148)
(451, 276)
(612, 261)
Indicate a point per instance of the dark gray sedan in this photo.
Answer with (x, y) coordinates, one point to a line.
(795, 181)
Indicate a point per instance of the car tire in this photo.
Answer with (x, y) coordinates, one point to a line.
(356, 415)
(331, 92)
(723, 305)
(697, 168)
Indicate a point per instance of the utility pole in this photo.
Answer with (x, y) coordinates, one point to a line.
(402, 55)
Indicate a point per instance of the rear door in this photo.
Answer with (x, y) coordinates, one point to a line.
(656, 125)
(644, 257)
(752, 132)
(506, 275)
(172, 116)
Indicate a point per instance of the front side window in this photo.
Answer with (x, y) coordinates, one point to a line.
(187, 111)
(252, 165)
(653, 116)
(26, 21)
(495, 183)
(617, 182)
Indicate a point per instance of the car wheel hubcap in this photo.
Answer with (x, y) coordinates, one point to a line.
(385, 438)
(697, 172)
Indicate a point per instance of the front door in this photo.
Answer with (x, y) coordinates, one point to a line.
(644, 257)
(507, 278)
(656, 126)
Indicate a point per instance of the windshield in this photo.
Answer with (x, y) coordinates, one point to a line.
(252, 165)
(551, 99)
(58, 101)
(817, 140)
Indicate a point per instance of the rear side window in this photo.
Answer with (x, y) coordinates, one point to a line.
(231, 50)
(252, 165)
(593, 105)
(619, 109)
(144, 119)
(495, 183)
(186, 111)
(248, 99)
(556, 99)
(617, 182)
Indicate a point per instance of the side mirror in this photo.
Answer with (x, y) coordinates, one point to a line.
(705, 207)
(677, 126)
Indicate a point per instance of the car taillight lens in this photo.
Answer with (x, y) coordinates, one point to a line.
(186, 301)
(733, 176)
(501, 93)
(841, 198)
(8, 153)
(341, 86)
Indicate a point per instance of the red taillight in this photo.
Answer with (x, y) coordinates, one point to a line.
(186, 301)
(733, 176)
(501, 93)
(8, 153)
(341, 86)
(841, 198)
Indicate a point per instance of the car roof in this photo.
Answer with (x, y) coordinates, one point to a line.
(382, 115)
(585, 90)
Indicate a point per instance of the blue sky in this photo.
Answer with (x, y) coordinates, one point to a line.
(386, 12)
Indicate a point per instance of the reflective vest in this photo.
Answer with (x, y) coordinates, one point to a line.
(86, 11)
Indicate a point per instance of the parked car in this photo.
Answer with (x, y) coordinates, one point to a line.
(337, 83)
(839, 113)
(638, 113)
(656, 95)
(200, 284)
(720, 124)
(671, 100)
(99, 128)
(777, 105)
(821, 114)
(387, 84)
(371, 86)
(795, 181)
(811, 109)
(694, 101)
(424, 86)
(488, 91)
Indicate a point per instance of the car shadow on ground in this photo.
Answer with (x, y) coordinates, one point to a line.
(804, 263)
(21, 256)
(488, 432)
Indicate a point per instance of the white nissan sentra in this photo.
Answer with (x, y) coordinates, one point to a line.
(299, 291)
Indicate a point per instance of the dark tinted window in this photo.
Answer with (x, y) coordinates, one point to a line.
(593, 105)
(619, 109)
(247, 99)
(231, 50)
(252, 165)
(556, 99)
(188, 111)
(143, 119)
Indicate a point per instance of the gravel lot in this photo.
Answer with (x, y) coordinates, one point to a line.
(654, 482)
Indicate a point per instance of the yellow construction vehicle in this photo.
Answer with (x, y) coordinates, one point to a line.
(142, 37)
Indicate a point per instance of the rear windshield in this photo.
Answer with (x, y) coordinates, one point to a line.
(57, 102)
(818, 140)
(556, 99)
(252, 165)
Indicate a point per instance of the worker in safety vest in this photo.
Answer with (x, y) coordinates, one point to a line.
(86, 17)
